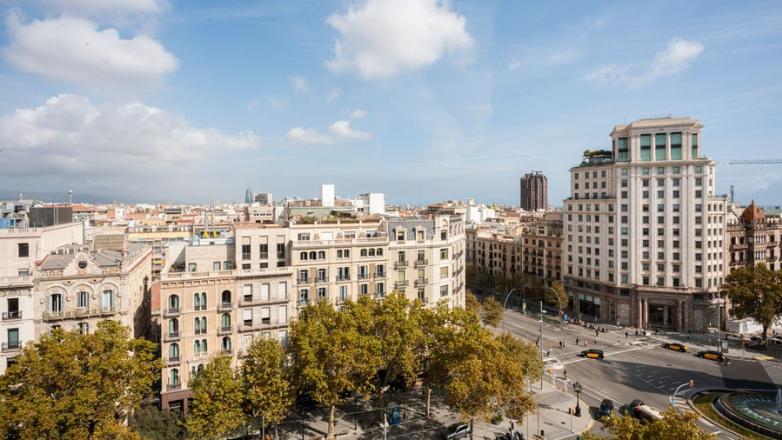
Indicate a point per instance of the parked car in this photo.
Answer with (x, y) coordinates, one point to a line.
(629, 409)
(592, 353)
(647, 414)
(606, 408)
(675, 346)
(456, 431)
(711, 355)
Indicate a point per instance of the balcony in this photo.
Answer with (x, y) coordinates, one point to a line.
(401, 284)
(249, 327)
(171, 336)
(171, 311)
(420, 263)
(321, 280)
(53, 316)
(226, 350)
(174, 387)
(363, 276)
(380, 275)
(343, 278)
(224, 305)
(421, 282)
(17, 281)
(401, 264)
(172, 360)
(11, 346)
(108, 310)
(10, 316)
(303, 302)
(224, 330)
(303, 280)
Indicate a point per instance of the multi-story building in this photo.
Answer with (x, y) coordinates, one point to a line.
(533, 192)
(218, 294)
(644, 229)
(541, 243)
(76, 287)
(753, 237)
(20, 249)
(495, 250)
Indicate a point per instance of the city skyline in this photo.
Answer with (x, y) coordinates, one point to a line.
(282, 97)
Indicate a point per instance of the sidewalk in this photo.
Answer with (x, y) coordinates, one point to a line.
(701, 342)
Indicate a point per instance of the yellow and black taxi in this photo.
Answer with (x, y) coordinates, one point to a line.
(675, 346)
(592, 353)
(711, 355)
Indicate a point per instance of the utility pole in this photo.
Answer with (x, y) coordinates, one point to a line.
(541, 342)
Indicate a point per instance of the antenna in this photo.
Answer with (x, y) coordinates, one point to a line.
(70, 197)
(732, 193)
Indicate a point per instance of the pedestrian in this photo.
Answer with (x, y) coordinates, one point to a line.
(565, 373)
(576, 341)
(627, 335)
(563, 345)
(636, 332)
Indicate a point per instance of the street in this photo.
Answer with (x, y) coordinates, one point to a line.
(637, 367)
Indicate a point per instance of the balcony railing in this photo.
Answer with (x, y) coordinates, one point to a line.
(421, 262)
(172, 360)
(171, 336)
(109, 310)
(419, 282)
(303, 280)
(380, 275)
(226, 350)
(322, 279)
(174, 386)
(401, 284)
(343, 278)
(401, 264)
(8, 316)
(363, 276)
(224, 330)
(11, 346)
(224, 305)
(303, 302)
(249, 327)
(171, 311)
(53, 315)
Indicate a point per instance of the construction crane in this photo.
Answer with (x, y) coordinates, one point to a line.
(755, 162)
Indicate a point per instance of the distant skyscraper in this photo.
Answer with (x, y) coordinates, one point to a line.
(248, 195)
(534, 191)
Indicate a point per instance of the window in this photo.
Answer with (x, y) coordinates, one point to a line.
(363, 289)
(343, 293)
(84, 328)
(246, 252)
(646, 147)
(443, 273)
(23, 250)
(191, 267)
(676, 146)
(225, 321)
(281, 251)
(266, 315)
(173, 352)
(55, 303)
(82, 300)
(622, 152)
(264, 251)
(173, 327)
(694, 145)
(380, 289)
(444, 254)
(226, 344)
(444, 290)
(659, 146)
(13, 338)
(173, 377)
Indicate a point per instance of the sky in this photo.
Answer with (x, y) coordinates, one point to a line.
(424, 100)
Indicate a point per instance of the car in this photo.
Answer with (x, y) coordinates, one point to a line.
(552, 364)
(606, 408)
(675, 346)
(592, 353)
(711, 355)
(456, 431)
(647, 414)
(756, 345)
(629, 409)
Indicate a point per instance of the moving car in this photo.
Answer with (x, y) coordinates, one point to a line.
(592, 353)
(606, 408)
(456, 431)
(711, 355)
(552, 364)
(675, 346)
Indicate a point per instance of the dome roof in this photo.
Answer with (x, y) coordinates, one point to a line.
(752, 214)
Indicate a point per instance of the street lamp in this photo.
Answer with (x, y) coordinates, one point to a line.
(688, 384)
(577, 388)
(504, 304)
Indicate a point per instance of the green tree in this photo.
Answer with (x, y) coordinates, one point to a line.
(492, 312)
(755, 292)
(267, 390)
(683, 424)
(556, 295)
(217, 401)
(331, 356)
(73, 386)
(154, 424)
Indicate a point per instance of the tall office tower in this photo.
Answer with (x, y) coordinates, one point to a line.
(248, 196)
(644, 229)
(534, 191)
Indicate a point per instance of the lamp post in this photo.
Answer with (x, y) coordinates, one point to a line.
(690, 383)
(504, 304)
(577, 388)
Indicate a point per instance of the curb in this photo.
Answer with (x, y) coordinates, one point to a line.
(695, 409)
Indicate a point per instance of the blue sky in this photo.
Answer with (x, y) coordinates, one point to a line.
(420, 99)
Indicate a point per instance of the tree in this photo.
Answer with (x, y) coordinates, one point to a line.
(331, 356)
(267, 390)
(73, 386)
(556, 295)
(471, 302)
(153, 424)
(492, 312)
(683, 424)
(755, 292)
(217, 401)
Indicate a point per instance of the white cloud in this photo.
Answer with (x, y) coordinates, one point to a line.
(358, 114)
(308, 136)
(300, 84)
(675, 58)
(70, 135)
(381, 38)
(343, 129)
(77, 50)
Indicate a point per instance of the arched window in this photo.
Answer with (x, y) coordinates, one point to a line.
(313, 255)
(226, 321)
(321, 255)
(82, 300)
(203, 300)
(226, 344)
(173, 326)
(173, 352)
(200, 368)
(363, 252)
(371, 252)
(107, 300)
(173, 302)
(197, 346)
(55, 303)
(203, 345)
(203, 324)
(173, 376)
(379, 252)
(303, 256)
(225, 297)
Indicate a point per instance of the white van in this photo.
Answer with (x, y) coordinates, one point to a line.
(646, 413)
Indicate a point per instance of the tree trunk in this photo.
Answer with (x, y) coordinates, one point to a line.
(765, 333)
(330, 434)
(428, 400)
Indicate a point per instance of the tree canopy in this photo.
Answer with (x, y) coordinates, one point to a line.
(492, 312)
(77, 386)
(755, 292)
(265, 381)
(684, 424)
(217, 401)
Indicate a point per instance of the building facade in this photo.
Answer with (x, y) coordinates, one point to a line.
(752, 237)
(644, 229)
(534, 192)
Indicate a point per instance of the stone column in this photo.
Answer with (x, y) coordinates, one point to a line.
(640, 312)
(646, 313)
(680, 315)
